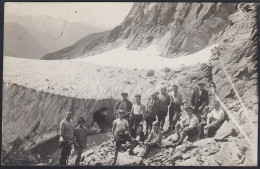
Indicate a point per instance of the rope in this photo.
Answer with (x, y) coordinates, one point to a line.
(237, 95)
(233, 119)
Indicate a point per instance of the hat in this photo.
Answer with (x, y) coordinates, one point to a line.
(141, 124)
(189, 108)
(163, 88)
(120, 111)
(81, 119)
(174, 85)
(124, 93)
(155, 123)
(137, 95)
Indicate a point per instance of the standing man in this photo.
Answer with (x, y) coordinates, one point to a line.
(164, 102)
(120, 131)
(137, 115)
(200, 101)
(80, 135)
(124, 105)
(66, 138)
(151, 112)
(175, 107)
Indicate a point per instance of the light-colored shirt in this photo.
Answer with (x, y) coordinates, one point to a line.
(138, 109)
(121, 125)
(190, 121)
(177, 98)
(67, 129)
(81, 136)
(217, 115)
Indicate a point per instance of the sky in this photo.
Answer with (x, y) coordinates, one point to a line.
(104, 15)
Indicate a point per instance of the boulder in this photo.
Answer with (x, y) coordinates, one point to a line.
(225, 131)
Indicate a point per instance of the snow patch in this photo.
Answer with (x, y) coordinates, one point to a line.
(148, 58)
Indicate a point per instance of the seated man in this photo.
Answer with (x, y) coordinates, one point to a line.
(120, 131)
(140, 137)
(154, 139)
(188, 126)
(214, 121)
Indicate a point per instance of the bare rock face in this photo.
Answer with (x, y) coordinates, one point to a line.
(171, 25)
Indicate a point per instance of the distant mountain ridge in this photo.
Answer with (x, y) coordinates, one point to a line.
(18, 42)
(177, 28)
(54, 33)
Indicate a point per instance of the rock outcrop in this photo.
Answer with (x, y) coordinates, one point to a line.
(171, 25)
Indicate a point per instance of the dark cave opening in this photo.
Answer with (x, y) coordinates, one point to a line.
(103, 118)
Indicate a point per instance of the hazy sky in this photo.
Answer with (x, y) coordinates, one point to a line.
(104, 15)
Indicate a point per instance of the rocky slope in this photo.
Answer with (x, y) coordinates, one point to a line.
(19, 42)
(36, 95)
(171, 25)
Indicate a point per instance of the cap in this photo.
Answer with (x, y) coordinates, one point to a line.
(155, 123)
(81, 119)
(137, 95)
(163, 88)
(124, 93)
(120, 111)
(189, 108)
(174, 85)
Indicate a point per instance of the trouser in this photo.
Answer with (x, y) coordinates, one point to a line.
(202, 113)
(149, 121)
(187, 131)
(135, 121)
(161, 118)
(148, 146)
(78, 156)
(211, 130)
(119, 141)
(134, 143)
(174, 115)
(65, 150)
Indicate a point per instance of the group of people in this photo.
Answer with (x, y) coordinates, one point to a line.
(199, 119)
(128, 126)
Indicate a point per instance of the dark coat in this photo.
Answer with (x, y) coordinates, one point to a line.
(198, 100)
(121, 106)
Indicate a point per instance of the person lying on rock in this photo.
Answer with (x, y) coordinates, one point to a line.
(186, 127)
(154, 139)
(215, 119)
(200, 101)
(137, 115)
(120, 132)
(125, 105)
(151, 112)
(80, 135)
(164, 102)
(139, 139)
(66, 138)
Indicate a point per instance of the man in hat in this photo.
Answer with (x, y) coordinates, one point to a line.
(200, 101)
(164, 102)
(175, 107)
(124, 105)
(188, 126)
(66, 138)
(137, 114)
(151, 112)
(120, 132)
